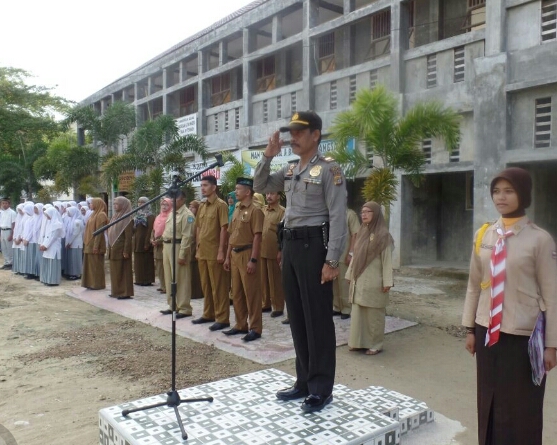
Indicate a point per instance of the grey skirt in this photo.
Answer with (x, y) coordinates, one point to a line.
(51, 271)
(30, 257)
(74, 262)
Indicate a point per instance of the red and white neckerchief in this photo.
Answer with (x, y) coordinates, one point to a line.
(498, 264)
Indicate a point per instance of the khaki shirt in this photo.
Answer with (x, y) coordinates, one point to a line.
(530, 284)
(247, 220)
(353, 224)
(185, 222)
(314, 195)
(269, 242)
(211, 217)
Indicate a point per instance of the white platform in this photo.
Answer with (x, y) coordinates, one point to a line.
(246, 411)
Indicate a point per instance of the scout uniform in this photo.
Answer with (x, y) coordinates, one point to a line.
(271, 276)
(247, 221)
(316, 208)
(215, 281)
(183, 245)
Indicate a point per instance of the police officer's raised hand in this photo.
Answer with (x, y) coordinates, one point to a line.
(274, 146)
(328, 273)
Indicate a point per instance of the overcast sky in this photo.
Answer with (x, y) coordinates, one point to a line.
(80, 47)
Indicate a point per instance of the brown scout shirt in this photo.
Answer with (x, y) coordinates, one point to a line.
(246, 222)
(269, 243)
(184, 231)
(211, 217)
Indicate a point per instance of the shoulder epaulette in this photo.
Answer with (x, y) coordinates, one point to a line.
(328, 159)
(480, 237)
(294, 161)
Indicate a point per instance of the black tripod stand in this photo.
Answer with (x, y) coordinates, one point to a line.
(173, 399)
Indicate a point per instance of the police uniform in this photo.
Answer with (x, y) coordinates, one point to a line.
(215, 281)
(183, 245)
(315, 195)
(271, 277)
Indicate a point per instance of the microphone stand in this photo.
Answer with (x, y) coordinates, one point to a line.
(173, 399)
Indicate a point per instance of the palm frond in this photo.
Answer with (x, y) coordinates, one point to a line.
(380, 186)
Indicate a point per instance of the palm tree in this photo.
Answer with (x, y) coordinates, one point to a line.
(374, 119)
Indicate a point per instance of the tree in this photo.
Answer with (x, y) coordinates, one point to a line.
(374, 119)
(228, 178)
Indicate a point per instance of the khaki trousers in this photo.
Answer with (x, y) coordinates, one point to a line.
(247, 304)
(215, 283)
(183, 280)
(271, 281)
(341, 287)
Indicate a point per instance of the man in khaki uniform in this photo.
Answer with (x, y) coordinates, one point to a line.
(271, 277)
(212, 236)
(241, 259)
(183, 246)
(341, 303)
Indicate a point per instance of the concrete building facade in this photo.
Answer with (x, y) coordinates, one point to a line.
(494, 61)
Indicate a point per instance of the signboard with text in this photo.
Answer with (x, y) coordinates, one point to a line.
(187, 124)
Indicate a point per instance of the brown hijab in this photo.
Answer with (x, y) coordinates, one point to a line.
(116, 230)
(97, 219)
(521, 181)
(372, 239)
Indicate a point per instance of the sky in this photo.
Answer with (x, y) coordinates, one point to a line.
(79, 47)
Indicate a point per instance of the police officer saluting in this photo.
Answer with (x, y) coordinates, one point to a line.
(313, 239)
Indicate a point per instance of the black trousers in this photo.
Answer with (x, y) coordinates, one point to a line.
(310, 311)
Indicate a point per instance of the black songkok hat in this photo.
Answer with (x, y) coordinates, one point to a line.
(245, 181)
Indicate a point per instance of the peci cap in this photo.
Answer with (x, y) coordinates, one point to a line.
(245, 181)
(302, 120)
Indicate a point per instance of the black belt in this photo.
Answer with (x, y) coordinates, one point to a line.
(6, 228)
(168, 241)
(303, 232)
(241, 249)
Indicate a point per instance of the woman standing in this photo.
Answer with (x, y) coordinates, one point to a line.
(500, 312)
(156, 240)
(51, 247)
(120, 251)
(94, 247)
(371, 277)
(17, 243)
(74, 243)
(232, 201)
(143, 261)
(29, 250)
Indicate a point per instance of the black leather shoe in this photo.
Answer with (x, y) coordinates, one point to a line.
(314, 403)
(123, 298)
(275, 314)
(335, 313)
(180, 315)
(266, 309)
(166, 311)
(201, 320)
(292, 393)
(234, 331)
(252, 335)
(344, 316)
(218, 326)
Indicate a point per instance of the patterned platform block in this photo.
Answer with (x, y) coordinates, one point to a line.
(245, 410)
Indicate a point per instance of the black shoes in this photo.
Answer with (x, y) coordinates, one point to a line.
(218, 326)
(266, 309)
(344, 316)
(180, 315)
(123, 298)
(201, 320)
(252, 335)
(6, 267)
(234, 331)
(275, 314)
(285, 321)
(166, 312)
(314, 403)
(292, 393)
(335, 313)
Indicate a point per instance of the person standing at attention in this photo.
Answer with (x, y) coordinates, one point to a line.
(313, 240)
(156, 241)
(241, 259)
(212, 242)
(7, 223)
(94, 247)
(512, 280)
(143, 260)
(120, 251)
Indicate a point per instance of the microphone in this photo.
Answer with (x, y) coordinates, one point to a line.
(220, 162)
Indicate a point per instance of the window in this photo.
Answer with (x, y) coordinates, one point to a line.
(220, 89)
(373, 79)
(237, 118)
(326, 53)
(157, 107)
(475, 15)
(265, 74)
(412, 24)
(333, 95)
(454, 156)
(542, 136)
(459, 64)
(226, 126)
(426, 149)
(380, 34)
(265, 112)
(279, 107)
(216, 123)
(549, 20)
(353, 89)
(432, 71)
(188, 104)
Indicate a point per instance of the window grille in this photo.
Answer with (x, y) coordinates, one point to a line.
(265, 74)
(426, 149)
(549, 20)
(265, 112)
(220, 89)
(432, 71)
(216, 123)
(353, 88)
(459, 64)
(475, 15)
(226, 125)
(279, 107)
(326, 54)
(454, 156)
(380, 34)
(333, 95)
(542, 138)
(373, 79)
(293, 102)
(237, 118)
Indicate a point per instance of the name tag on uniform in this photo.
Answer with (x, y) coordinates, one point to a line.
(312, 181)
(486, 246)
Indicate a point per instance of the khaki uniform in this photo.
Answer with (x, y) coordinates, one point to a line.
(341, 301)
(121, 274)
(212, 216)
(247, 221)
(271, 276)
(183, 246)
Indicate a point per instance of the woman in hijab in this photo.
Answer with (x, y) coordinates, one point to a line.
(51, 248)
(143, 260)
(94, 247)
(17, 243)
(232, 200)
(74, 243)
(512, 287)
(371, 277)
(156, 240)
(120, 250)
(38, 219)
(29, 246)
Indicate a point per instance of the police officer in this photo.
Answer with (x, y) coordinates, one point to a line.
(313, 240)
